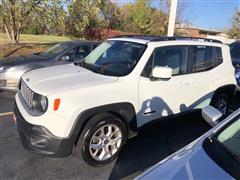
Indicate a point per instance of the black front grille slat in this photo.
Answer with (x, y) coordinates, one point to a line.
(27, 94)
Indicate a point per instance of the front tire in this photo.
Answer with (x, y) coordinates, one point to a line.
(102, 139)
(222, 103)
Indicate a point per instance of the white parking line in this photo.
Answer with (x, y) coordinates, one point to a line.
(6, 114)
(9, 114)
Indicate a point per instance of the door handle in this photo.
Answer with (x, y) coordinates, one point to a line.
(214, 78)
(183, 84)
(187, 84)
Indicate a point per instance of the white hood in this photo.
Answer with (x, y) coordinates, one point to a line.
(53, 79)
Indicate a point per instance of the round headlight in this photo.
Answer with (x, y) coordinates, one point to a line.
(43, 102)
(39, 104)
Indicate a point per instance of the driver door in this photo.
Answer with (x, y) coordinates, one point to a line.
(163, 97)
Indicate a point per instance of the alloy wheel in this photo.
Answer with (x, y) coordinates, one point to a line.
(105, 142)
(222, 105)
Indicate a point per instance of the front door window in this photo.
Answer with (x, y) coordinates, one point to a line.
(160, 98)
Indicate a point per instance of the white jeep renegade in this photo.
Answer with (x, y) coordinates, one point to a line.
(94, 106)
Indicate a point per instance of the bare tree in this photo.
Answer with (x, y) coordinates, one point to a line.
(234, 31)
(13, 15)
(182, 8)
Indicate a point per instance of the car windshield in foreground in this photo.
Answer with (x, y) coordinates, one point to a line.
(54, 50)
(235, 50)
(224, 147)
(230, 138)
(114, 58)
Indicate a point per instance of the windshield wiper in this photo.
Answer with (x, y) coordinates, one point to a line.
(87, 66)
(80, 63)
(90, 67)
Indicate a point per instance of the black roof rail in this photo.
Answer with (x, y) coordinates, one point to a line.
(153, 38)
(184, 38)
(137, 36)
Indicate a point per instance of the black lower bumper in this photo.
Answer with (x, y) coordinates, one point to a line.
(39, 140)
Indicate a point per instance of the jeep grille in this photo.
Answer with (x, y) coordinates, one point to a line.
(27, 94)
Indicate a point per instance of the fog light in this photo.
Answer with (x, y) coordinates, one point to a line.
(38, 141)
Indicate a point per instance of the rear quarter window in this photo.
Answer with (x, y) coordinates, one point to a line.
(219, 58)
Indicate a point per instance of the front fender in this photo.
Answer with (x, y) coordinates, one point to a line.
(123, 110)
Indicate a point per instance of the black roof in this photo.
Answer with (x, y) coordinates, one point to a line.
(152, 38)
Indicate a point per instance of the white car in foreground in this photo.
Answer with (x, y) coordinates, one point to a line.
(94, 106)
(215, 155)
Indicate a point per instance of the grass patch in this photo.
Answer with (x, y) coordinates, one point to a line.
(8, 50)
(29, 38)
(28, 44)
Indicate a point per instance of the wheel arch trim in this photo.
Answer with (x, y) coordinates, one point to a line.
(123, 110)
(230, 89)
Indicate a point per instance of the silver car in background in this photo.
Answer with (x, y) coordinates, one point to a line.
(12, 68)
(215, 155)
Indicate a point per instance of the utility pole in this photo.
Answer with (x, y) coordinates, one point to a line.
(172, 17)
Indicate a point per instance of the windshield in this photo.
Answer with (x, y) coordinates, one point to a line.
(114, 58)
(54, 50)
(230, 138)
(224, 147)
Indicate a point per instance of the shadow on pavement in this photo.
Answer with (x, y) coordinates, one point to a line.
(157, 141)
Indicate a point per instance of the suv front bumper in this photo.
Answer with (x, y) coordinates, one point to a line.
(38, 139)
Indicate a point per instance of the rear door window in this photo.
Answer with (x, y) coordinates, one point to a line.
(203, 58)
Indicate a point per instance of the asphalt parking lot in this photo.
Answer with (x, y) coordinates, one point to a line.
(153, 143)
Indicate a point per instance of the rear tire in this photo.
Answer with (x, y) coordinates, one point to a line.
(101, 139)
(222, 103)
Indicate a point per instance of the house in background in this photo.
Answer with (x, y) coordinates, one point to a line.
(187, 29)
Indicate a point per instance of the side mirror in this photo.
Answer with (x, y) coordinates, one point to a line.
(65, 58)
(211, 115)
(159, 72)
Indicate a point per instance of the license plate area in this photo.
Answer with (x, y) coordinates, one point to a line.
(3, 83)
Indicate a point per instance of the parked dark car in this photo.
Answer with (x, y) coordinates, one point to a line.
(235, 55)
(12, 68)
